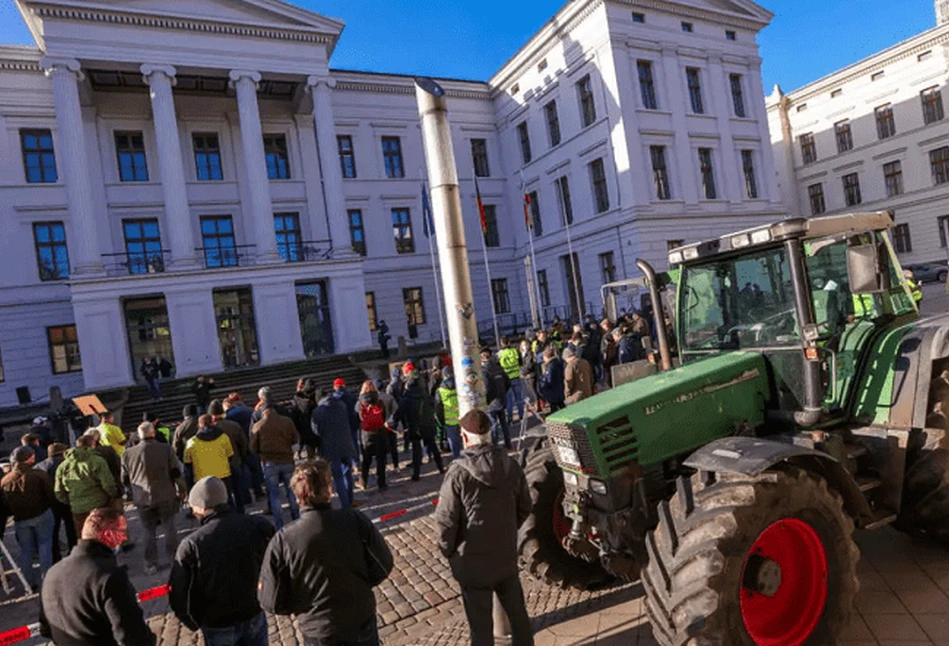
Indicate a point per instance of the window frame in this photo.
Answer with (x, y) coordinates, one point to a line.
(524, 137)
(146, 254)
(843, 135)
(479, 157)
(348, 170)
(492, 238)
(587, 101)
(933, 111)
(814, 195)
(392, 159)
(418, 308)
(277, 156)
(852, 194)
(564, 200)
(209, 152)
(2, 375)
(552, 119)
(599, 186)
(227, 253)
(738, 95)
(941, 221)
(52, 244)
(124, 142)
(893, 178)
(693, 81)
(357, 229)
(607, 267)
(402, 230)
(647, 84)
(707, 173)
(72, 359)
(885, 121)
(291, 249)
(902, 238)
(808, 148)
(660, 173)
(371, 312)
(500, 296)
(939, 165)
(537, 224)
(42, 155)
(543, 287)
(748, 171)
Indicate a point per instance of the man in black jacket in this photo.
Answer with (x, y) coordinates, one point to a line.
(496, 384)
(87, 598)
(483, 501)
(214, 577)
(323, 567)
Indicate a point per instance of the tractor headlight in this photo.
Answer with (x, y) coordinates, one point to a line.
(740, 241)
(571, 478)
(675, 258)
(598, 487)
(691, 253)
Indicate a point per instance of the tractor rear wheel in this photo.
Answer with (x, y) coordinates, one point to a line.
(925, 506)
(539, 542)
(751, 561)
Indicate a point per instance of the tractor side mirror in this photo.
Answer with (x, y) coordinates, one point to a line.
(863, 269)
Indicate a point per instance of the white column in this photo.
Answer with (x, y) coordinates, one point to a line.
(161, 78)
(255, 166)
(686, 187)
(71, 162)
(732, 184)
(322, 89)
(759, 111)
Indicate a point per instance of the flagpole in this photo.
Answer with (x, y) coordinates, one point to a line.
(487, 267)
(530, 237)
(427, 215)
(573, 267)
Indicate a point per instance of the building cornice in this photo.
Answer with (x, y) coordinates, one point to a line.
(404, 86)
(20, 59)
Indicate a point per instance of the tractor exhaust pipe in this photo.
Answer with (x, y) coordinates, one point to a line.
(813, 394)
(658, 313)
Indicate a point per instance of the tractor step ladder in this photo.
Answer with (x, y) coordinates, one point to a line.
(868, 483)
(881, 517)
(5, 574)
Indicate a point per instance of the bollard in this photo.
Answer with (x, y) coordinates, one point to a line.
(502, 625)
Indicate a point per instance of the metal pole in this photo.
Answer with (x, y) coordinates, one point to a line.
(431, 250)
(450, 235)
(531, 295)
(530, 238)
(494, 313)
(576, 276)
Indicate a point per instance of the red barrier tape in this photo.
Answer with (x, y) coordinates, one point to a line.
(16, 635)
(153, 593)
(394, 514)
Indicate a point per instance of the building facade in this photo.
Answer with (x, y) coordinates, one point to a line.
(873, 136)
(198, 184)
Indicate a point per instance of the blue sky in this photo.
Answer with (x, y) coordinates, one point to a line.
(806, 40)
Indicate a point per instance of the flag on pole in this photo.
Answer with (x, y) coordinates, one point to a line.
(527, 215)
(484, 219)
(428, 222)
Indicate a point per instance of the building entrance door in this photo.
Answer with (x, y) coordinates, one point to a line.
(316, 326)
(571, 269)
(236, 328)
(146, 320)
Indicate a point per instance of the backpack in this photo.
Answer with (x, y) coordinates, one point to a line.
(372, 417)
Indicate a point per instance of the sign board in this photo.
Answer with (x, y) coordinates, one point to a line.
(89, 405)
(632, 371)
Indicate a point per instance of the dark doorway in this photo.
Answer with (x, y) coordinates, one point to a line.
(146, 320)
(236, 328)
(316, 327)
(571, 270)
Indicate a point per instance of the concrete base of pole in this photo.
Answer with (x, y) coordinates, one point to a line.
(502, 625)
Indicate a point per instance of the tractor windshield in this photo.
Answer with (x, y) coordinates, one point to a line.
(739, 302)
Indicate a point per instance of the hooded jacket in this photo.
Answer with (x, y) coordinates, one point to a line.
(483, 501)
(186, 430)
(84, 482)
(416, 411)
(330, 423)
(28, 492)
(496, 385)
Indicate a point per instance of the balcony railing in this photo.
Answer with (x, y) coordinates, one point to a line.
(135, 263)
(228, 256)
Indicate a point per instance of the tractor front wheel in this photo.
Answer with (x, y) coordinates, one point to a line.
(751, 561)
(925, 507)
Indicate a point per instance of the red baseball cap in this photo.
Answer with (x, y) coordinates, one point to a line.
(339, 383)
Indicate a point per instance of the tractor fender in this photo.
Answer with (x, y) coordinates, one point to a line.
(752, 456)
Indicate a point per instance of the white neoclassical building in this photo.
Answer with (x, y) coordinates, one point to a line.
(194, 181)
(874, 136)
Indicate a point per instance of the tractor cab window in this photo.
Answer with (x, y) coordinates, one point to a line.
(743, 302)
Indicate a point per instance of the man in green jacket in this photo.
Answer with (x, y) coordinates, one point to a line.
(84, 482)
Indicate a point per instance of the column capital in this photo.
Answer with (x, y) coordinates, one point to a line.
(148, 70)
(313, 82)
(237, 76)
(51, 65)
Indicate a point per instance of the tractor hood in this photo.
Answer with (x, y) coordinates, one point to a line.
(669, 413)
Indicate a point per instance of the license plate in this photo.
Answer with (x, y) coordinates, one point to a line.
(568, 456)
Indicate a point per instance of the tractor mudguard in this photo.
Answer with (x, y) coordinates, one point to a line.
(752, 456)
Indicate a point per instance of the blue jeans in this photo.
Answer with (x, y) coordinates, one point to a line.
(454, 440)
(515, 397)
(369, 638)
(499, 429)
(274, 475)
(343, 481)
(35, 536)
(244, 633)
(252, 464)
(153, 388)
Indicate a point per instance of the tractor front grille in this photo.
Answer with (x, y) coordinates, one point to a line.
(563, 435)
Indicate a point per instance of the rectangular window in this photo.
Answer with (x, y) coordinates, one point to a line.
(708, 173)
(347, 156)
(876, 76)
(543, 288)
(660, 174)
(1, 369)
(730, 35)
(748, 167)
(289, 236)
(402, 231)
(932, 105)
(808, 148)
(601, 195)
(278, 160)
(207, 157)
(852, 195)
(143, 246)
(639, 17)
(525, 138)
(536, 223)
(491, 238)
(52, 256)
(647, 85)
(371, 311)
(607, 268)
(502, 300)
(939, 162)
(815, 192)
(64, 349)
(893, 177)
(357, 231)
(479, 156)
(695, 89)
(738, 97)
(674, 244)
(414, 309)
(562, 186)
(553, 123)
(39, 159)
(886, 126)
(687, 27)
(941, 222)
(130, 151)
(843, 135)
(217, 238)
(901, 239)
(392, 156)
(587, 105)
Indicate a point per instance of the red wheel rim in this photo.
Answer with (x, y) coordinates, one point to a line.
(784, 610)
(562, 523)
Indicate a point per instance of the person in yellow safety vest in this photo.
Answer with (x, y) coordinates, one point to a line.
(162, 432)
(914, 287)
(111, 435)
(510, 360)
(446, 411)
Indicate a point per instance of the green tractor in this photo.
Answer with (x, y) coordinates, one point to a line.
(809, 400)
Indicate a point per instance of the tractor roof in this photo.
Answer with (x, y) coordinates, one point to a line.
(805, 228)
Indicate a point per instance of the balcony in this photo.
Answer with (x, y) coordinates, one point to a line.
(135, 263)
